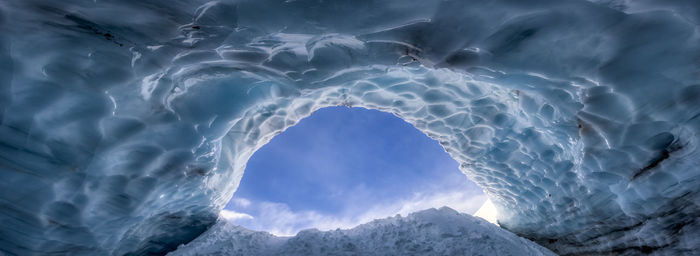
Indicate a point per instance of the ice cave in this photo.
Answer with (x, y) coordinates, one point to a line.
(125, 126)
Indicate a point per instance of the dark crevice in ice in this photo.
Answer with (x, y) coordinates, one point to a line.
(663, 155)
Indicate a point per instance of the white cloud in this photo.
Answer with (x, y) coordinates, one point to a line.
(233, 216)
(279, 219)
(241, 202)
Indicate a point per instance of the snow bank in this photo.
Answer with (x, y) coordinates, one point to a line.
(428, 232)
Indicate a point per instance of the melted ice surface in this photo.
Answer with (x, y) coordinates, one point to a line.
(126, 125)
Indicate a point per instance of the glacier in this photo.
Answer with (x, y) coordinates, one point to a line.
(441, 231)
(126, 125)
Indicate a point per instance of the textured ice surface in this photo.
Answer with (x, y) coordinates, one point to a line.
(126, 125)
(428, 232)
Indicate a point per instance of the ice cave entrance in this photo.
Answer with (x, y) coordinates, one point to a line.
(348, 166)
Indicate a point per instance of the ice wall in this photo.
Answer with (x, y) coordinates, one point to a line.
(126, 125)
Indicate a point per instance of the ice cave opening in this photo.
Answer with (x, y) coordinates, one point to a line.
(125, 126)
(348, 166)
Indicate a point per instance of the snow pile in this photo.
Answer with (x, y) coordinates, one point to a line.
(125, 126)
(428, 232)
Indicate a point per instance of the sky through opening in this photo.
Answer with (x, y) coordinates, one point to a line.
(342, 167)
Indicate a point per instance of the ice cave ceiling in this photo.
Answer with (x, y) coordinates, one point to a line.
(126, 125)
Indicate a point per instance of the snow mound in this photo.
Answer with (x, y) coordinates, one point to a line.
(430, 232)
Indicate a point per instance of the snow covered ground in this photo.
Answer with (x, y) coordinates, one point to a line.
(430, 232)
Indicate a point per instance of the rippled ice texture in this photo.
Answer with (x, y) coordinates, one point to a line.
(126, 125)
(428, 232)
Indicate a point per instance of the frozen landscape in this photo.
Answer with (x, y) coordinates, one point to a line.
(430, 232)
(126, 126)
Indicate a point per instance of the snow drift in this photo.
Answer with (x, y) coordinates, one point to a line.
(428, 232)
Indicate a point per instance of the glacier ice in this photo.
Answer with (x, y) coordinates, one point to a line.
(429, 232)
(126, 125)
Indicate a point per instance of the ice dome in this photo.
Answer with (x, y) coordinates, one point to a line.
(126, 125)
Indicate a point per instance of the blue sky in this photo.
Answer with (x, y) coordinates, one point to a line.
(341, 167)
